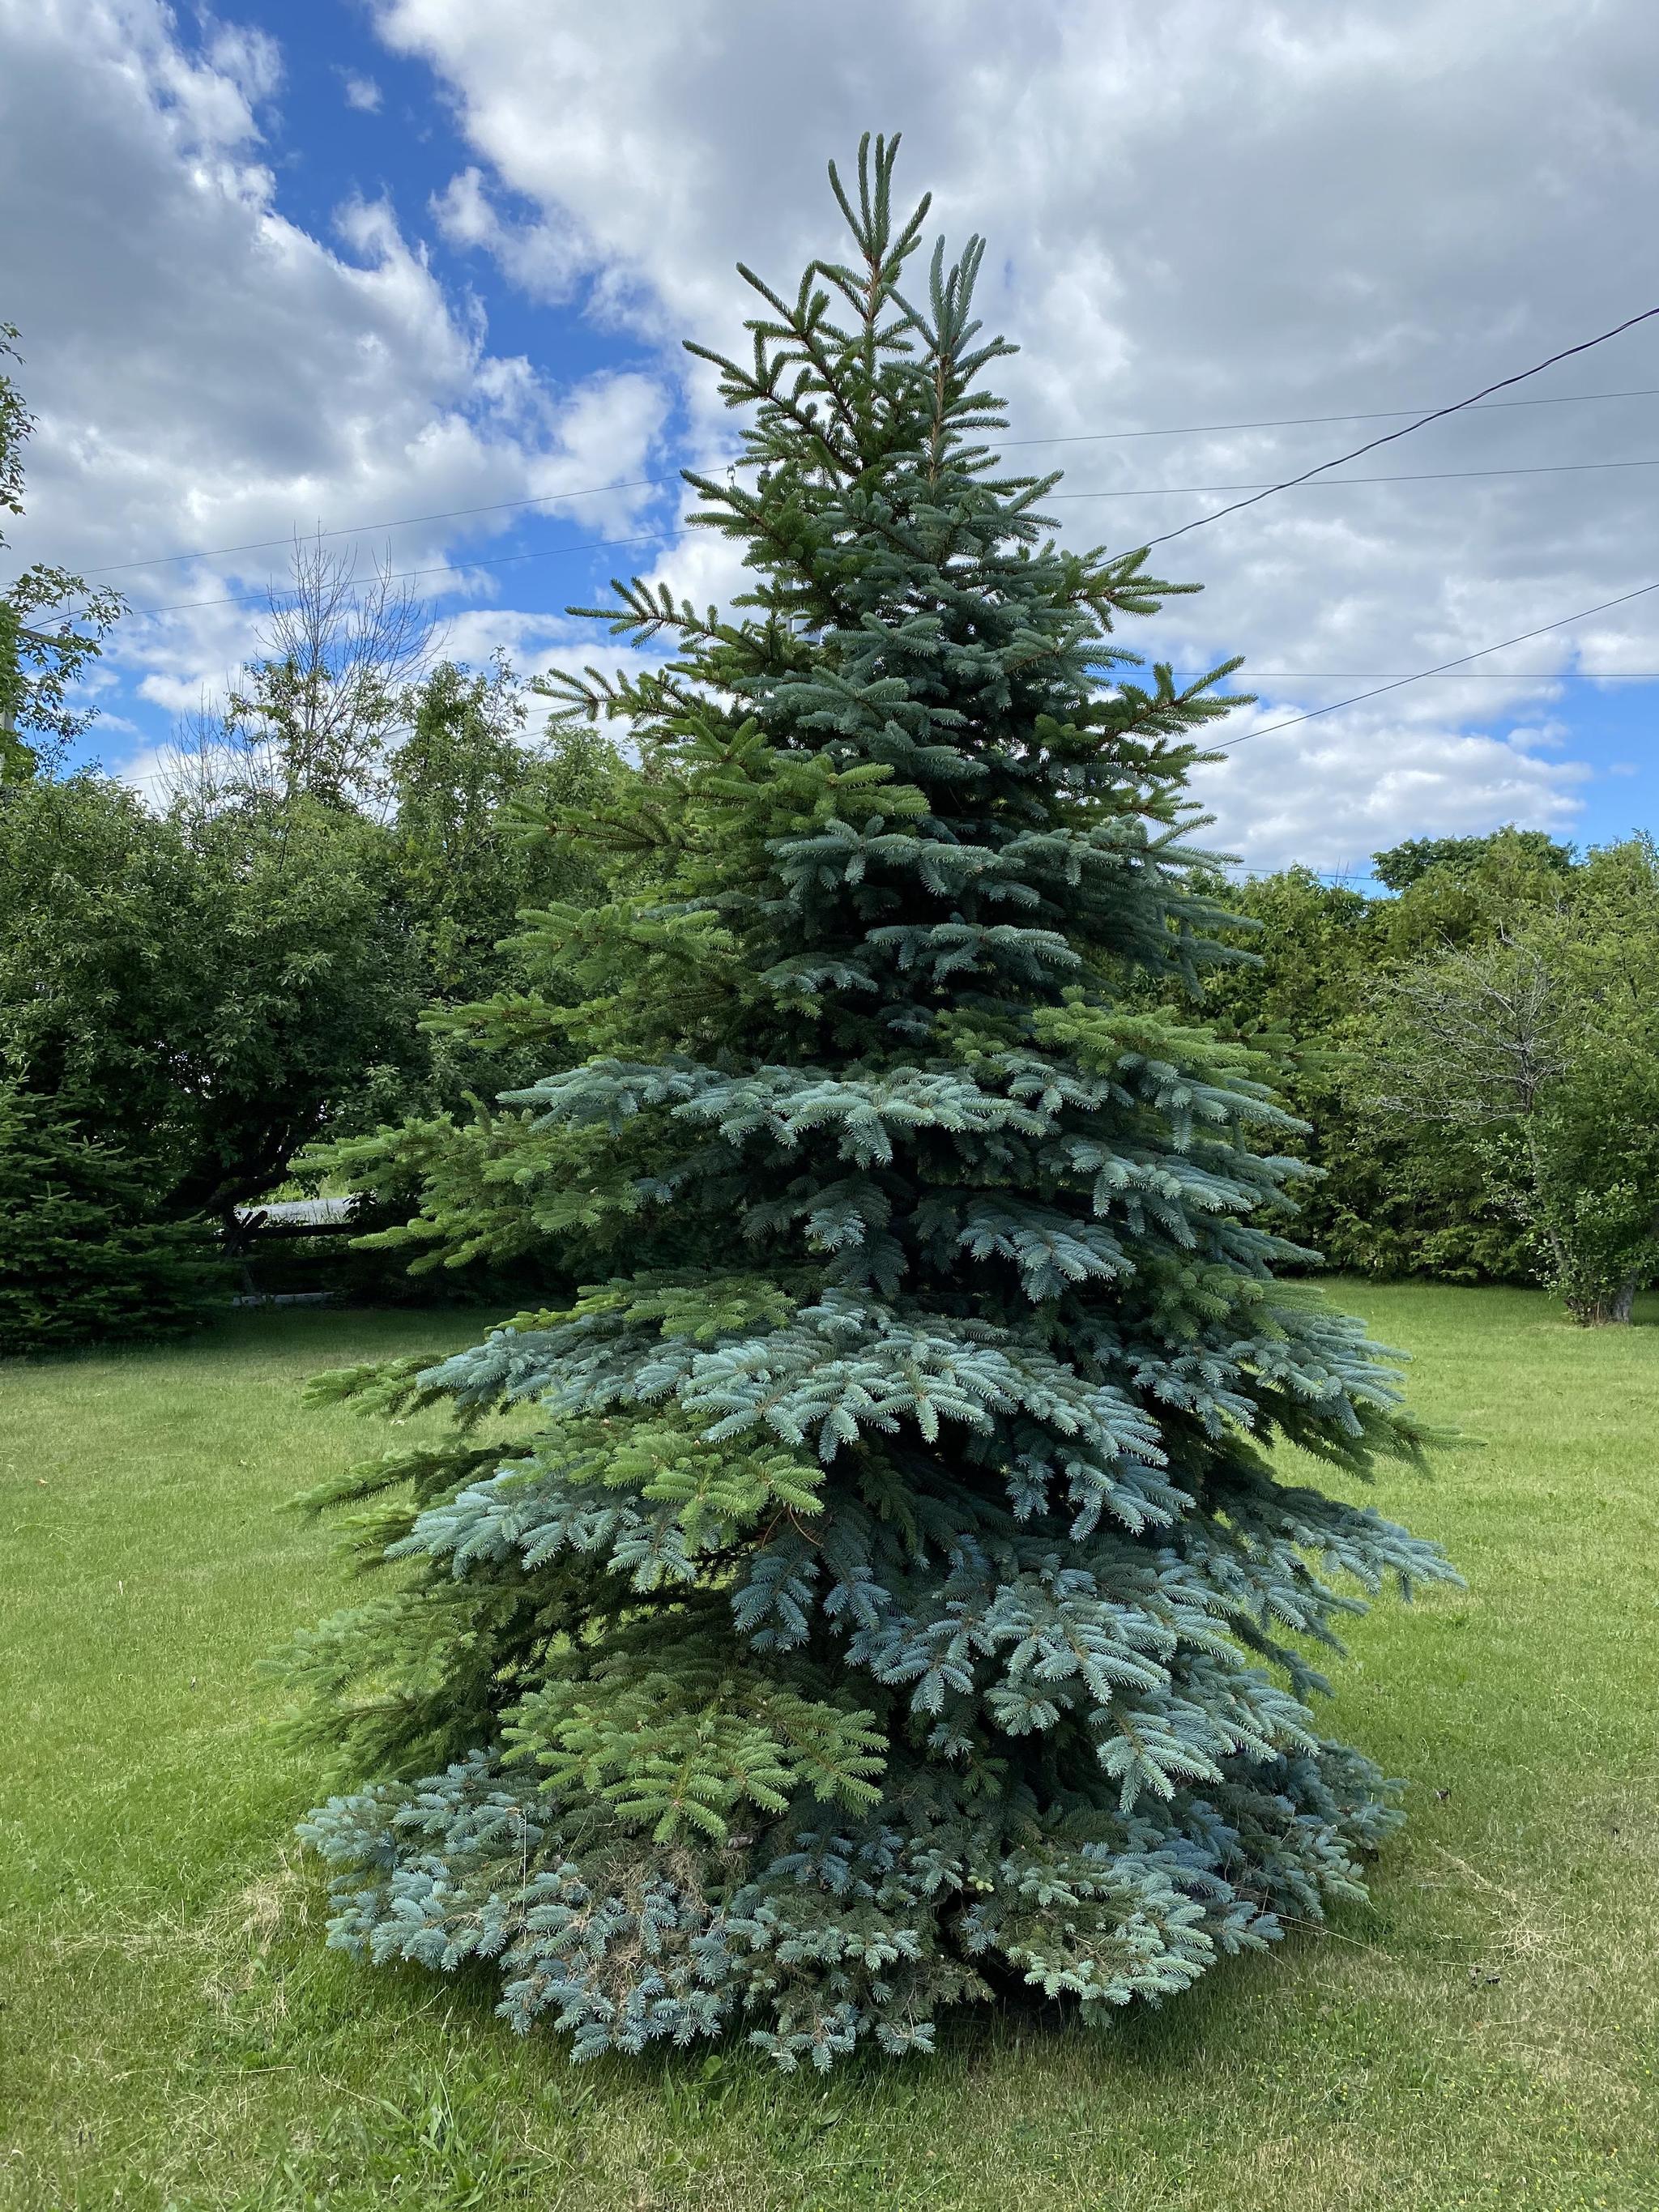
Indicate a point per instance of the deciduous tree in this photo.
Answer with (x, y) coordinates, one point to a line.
(52, 626)
(1542, 1042)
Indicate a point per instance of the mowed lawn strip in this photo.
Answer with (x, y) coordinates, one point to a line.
(172, 2033)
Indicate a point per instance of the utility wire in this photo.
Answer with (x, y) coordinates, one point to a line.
(1422, 423)
(639, 483)
(1302, 421)
(1466, 676)
(1440, 669)
(1392, 684)
(1256, 496)
(367, 529)
(1132, 491)
(1335, 484)
(442, 568)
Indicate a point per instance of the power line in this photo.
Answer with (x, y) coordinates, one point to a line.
(1440, 669)
(1302, 421)
(442, 568)
(1256, 496)
(1466, 676)
(1422, 423)
(1076, 438)
(1335, 484)
(366, 529)
(1134, 491)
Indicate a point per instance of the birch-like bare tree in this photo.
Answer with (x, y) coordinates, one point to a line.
(311, 714)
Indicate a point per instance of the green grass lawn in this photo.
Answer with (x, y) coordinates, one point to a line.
(174, 2034)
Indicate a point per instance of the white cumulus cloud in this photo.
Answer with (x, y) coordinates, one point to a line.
(208, 373)
(1208, 215)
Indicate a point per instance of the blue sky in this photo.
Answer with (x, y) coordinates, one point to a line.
(285, 265)
(327, 146)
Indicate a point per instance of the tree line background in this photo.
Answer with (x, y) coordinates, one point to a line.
(318, 955)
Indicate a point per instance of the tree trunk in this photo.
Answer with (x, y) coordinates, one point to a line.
(1607, 1308)
(1546, 1219)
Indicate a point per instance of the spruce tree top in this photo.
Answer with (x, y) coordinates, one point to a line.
(945, 807)
(888, 1584)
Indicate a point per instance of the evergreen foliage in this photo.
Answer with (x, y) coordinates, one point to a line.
(876, 1584)
(89, 1254)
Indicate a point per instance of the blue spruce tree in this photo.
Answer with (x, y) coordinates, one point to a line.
(876, 1585)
